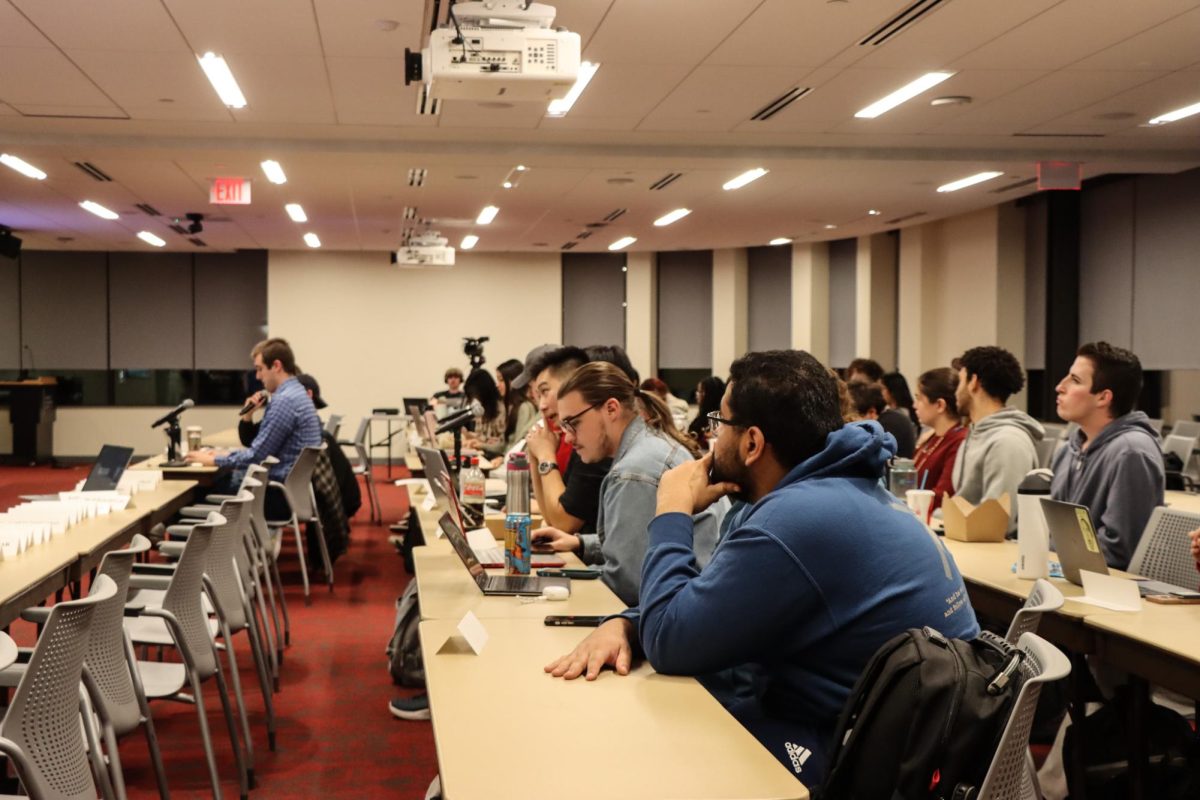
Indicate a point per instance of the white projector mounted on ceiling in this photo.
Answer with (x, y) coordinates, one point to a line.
(500, 51)
(425, 250)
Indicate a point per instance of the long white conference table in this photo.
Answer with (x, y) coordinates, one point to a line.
(503, 728)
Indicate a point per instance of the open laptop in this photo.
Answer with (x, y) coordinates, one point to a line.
(494, 584)
(106, 472)
(1074, 539)
(438, 475)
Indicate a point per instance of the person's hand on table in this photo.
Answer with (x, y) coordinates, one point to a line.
(554, 540)
(206, 457)
(1195, 535)
(685, 488)
(541, 443)
(608, 645)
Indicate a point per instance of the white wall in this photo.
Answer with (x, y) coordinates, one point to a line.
(641, 312)
(372, 333)
(82, 431)
(730, 289)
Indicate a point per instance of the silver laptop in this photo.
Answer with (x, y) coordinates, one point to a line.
(494, 584)
(106, 472)
(438, 475)
(1074, 538)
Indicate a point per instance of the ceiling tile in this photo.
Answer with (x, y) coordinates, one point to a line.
(144, 79)
(283, 88)
(349, 28)
(17, 31)
(665, 31)
(1171, 45)
(262, 27)
(37, 76)
(118, 25)
(371, 91)
(720, 97)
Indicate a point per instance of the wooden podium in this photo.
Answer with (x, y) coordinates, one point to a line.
(31, 410)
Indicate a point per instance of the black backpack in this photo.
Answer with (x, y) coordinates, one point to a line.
(924, 719)
(405, 661)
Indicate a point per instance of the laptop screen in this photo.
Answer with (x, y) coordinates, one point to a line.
(458, 541)
(109, 467)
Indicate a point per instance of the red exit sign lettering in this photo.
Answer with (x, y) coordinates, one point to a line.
(229, 192)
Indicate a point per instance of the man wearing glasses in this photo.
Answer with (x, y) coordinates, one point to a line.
(604, 416)
(822, 570)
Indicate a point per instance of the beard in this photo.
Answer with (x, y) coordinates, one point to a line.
(728, 468)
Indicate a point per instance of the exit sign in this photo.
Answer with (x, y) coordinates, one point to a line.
(229, 192)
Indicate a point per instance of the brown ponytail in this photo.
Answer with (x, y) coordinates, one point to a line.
(597, 381)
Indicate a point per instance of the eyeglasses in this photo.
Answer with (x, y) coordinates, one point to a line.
(568, 423)
(715, 421)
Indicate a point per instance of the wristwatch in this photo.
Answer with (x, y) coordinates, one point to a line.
(544, 467)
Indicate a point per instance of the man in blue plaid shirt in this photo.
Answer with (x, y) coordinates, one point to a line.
(289, 425)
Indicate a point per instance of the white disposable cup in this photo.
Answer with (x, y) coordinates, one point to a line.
(920, 501)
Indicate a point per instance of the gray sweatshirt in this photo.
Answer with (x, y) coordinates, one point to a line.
(1119, 477)
(996, 455)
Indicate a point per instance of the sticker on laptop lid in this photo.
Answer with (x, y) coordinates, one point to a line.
(1085, 527)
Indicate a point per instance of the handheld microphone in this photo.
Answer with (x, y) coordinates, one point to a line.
(460, 418)
(174, 413)
(250, 406)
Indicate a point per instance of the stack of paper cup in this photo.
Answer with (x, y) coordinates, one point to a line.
(920, 501)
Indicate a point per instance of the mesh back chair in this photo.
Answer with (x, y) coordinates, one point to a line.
(1181, 446)
(1183, 427)
(333, 425)
(1046, 448)
(298, 491)
(1164, 551)
(1009, 776)
(364, 468)
(1044, 598)
(186, 626)
(41, 734)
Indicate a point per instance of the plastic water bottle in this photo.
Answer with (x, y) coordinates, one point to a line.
(518, 544)
(473, 492)
(902, 477)
(1033, 538)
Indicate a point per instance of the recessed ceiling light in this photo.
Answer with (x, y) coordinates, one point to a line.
(296, 212)
(520, 167)
(746, 177)
(469, 241)
(98, 210)
(950, 100)
(385, 25)
(674, 216)
(903, 94)
(559, 108)
(150, 238)
(23, 167)
(221, 78)
(312, 240)
(622, 243)
(780, 240)
(1177, 114)
(507, 185)
(830, 226)
(273, 171)
(874, 212)
(487, 215)
(970, 180)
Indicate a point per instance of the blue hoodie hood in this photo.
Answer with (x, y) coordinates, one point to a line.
(856, 450)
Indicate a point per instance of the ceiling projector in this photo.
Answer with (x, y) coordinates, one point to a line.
(499, 50)
(427, 249)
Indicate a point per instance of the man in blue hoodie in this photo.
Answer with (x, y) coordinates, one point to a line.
(822, 570)
(1113, 463)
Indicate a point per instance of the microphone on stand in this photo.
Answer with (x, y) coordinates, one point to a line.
(460, 418)
(174, 413)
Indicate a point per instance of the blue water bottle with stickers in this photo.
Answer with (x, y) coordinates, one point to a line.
(518, 544)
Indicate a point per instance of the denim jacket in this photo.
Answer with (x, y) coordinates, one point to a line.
(628, 500)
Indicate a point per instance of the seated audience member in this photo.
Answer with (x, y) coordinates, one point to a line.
(869, 404)
(677, 405)
(845, 403)
(613, 354)
(289, 424)
(866, 370)
(1000, 448)
(488, 435)
(566, 488)
(708, 399)
(519, 412)
(898, 397)
(605, 416)
(452, 397)
(1113, 463)
(788, 588)
(937, 410)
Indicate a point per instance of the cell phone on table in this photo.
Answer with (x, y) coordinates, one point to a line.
(576, 574)
(572, 621)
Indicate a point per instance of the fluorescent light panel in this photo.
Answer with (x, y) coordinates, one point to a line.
(150, 238)
(22, 166)
(296, 212)
(469, 241)
(674, 216)
(222, 80)
(487, 215)
(622, 243)
(312, 240)
(748, 176)
(903, 94)
(273, 171)
(1177, 114)
(970, 180)
(559, 108)
(98, 210)
(780, 240)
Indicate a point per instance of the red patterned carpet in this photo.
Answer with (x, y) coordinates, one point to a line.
(335, 736)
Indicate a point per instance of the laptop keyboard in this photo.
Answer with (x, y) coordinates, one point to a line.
(495, 555)
(512, 583)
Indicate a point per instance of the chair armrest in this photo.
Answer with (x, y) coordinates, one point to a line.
(201, 510)
(217, 499)
(149, 582)
(164, 570)
(38, 614)
(171, 549)
(181, 531)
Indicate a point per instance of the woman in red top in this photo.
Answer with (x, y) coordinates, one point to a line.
(936, 409)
